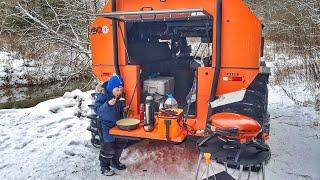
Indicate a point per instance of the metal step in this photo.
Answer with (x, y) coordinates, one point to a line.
(92, 116)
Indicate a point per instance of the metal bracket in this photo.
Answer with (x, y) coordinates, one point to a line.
(167, 124)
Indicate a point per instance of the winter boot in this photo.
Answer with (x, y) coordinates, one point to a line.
(107, 171)
(116, 165)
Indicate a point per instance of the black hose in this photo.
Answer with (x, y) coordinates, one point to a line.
(184, 122)
(124, 42)
(134, 91)
(115, 39)
(218, 58)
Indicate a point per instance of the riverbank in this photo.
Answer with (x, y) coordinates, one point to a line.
(29, 96)
(27, 82)
(16, 71)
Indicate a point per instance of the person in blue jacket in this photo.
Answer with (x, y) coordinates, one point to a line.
(109, 109)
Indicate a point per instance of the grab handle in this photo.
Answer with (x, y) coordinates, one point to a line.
(143, 8)
(146, 9)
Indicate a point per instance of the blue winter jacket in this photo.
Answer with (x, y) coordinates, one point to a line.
(108, 115)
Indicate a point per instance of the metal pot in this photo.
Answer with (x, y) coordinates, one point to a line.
(128, 124)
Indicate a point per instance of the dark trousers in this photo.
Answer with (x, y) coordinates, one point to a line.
(110, 152)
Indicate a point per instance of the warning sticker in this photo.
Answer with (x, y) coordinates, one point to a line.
(105, 29)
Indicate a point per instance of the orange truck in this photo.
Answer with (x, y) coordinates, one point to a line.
(206, 53)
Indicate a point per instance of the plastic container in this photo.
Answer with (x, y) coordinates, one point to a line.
(170, 102)
(160, 85)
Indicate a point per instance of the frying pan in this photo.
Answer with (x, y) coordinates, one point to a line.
(128, 124)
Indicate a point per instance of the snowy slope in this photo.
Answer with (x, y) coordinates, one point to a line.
(15, 71)
(50, 141)
(289, 71)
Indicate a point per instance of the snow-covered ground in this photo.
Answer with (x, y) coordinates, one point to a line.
(50, 141)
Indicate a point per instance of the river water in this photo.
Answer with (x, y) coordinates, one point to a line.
(24, 97)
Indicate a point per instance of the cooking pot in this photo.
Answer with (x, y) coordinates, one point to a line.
(128, 124)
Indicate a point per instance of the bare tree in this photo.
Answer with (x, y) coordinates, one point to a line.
(58, 22)
(50, 30)
(293, 28)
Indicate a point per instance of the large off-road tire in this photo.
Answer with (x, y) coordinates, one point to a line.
(254, 103)
(95, 127)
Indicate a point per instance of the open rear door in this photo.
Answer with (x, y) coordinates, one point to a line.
(101, 34)
(149, 14)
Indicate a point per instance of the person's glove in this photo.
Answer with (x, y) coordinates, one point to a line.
(112, 101)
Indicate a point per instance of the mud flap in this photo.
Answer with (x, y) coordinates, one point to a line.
(228, 98)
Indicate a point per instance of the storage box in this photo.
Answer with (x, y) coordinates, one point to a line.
(174, 128)
(159, 85)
